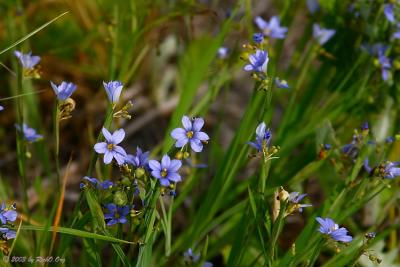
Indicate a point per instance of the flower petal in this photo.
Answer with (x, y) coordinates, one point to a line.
(165, 162)
(108, 156)
(156, 174)
(107, 135)
(178, 133)
(174, 165)
(164, 182)
(154, 165)
(101, 147)
(202, 136)
(196, 145)
(181, 142)
(175, 177)
(198, 124)
(187, 124)
(118, 136)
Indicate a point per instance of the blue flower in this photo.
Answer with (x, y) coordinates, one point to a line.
(367, 168)
(282, 84)
(396, 34)
(390, 139)
(29, 133)
(365, 126)
(388, 9)
(110, 148)
(7, 233)
(116, 214)
(191, 258)
(166, 171)
(64, 90)
(327, 146)
(330, 228)
(258, 37)
(295, 198)
(96, 183)
(263, 137)
(258, 61)
(27, 60)
(1, 108)
(223, 52)
(322, 35)
(92, 181)
(139, 160)
(385, 64)
(391, 170)
(113, 90)
(312, 5)
(190, 133)
(7, 215)
(271, 28)
(370, 235)
(107, 184)
(194, 165)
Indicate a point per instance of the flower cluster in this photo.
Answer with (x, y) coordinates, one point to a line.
(8, 215)
(257, 58)
(136, 169)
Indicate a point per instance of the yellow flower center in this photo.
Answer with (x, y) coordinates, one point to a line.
(189, 134)
(164, 172)
(110, 146)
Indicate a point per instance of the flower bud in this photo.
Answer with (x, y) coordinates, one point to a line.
(139, 172)
(125, 181)
(179, 155)
(283, 194)
(120, 198)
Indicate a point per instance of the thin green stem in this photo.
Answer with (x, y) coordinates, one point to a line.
(21, 144)
(167, 227)
(56, 127)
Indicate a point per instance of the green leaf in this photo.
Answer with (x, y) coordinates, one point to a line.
(32, 33)
(95, 210)
(74, 232)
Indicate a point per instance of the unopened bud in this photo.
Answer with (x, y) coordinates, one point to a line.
(120, 198)
(139, 172)
(179, 155)
(283, 194)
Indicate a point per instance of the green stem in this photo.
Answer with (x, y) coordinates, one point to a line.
(21, 144)
(167, 228)
(305, 70)
(56, 127)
